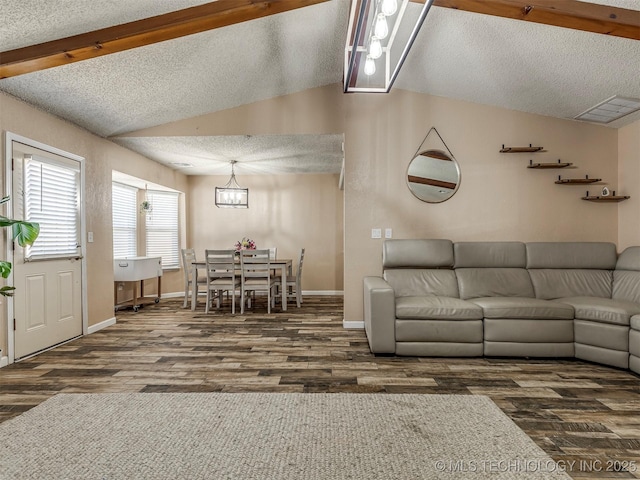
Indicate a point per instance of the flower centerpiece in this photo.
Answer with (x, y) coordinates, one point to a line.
(245, 244)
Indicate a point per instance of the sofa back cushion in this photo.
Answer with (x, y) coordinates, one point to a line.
(490, 255)
(571, 269)
(493, 282)
(409, 282)
(419, 267)
(492, 269)
(417, 254)
(572, 255)
(550, 284)
(626, 276)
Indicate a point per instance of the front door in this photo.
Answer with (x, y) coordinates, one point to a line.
(48, 274)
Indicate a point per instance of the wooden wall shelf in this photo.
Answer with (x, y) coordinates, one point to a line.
(609, 198)
(549, 165)
(529, 149)
(577, 181)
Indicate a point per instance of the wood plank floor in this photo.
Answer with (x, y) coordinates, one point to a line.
(585, 416)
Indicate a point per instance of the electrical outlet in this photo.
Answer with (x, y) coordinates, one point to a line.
(90, 237)
(376, 233)
(388, 233)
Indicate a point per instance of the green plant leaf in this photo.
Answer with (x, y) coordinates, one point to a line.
(6, 222)
(5, 268)
(25, 232)
(7, 291)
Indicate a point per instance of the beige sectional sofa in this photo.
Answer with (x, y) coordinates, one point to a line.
(539, 299)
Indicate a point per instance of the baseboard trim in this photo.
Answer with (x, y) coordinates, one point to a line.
(99, 326)
(304, 292)
(355, 325)
(322, 292)
(4, 361)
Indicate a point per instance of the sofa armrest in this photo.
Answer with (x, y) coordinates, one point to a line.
(379, 315)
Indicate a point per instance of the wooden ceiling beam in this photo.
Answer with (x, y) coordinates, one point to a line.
(140, 33)
(588, 17)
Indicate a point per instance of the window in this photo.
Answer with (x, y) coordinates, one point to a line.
(124, 220)
(162, 228)
(51, 198)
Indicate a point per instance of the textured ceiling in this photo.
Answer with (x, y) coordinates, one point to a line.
(512, 64)
(255, 154)
(521, 65)
(193, 75)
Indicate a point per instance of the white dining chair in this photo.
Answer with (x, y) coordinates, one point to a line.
(191, 291)
(221, 277)
(255, 271)
(293, 288)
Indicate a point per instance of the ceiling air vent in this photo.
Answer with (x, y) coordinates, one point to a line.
(610, 110)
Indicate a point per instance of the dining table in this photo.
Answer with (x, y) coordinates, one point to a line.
(281, 265)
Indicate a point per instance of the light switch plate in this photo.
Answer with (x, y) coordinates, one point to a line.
(90, 237)
(376, 233)
(388, 233)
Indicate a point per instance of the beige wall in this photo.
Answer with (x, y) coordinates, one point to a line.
(629, 183)
(102, 156)
(285, 211)
(308, 208)
(499, 198)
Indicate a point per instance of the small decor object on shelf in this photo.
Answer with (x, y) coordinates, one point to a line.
(245, 244)
(605, 192)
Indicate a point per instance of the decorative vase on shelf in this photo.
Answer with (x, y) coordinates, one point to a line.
(605, 192)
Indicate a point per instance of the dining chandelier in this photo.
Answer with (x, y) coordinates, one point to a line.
(232, 195)
(379, 37)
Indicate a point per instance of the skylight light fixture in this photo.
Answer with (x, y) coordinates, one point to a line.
(611, 109)
(379, 37)
(232, 195)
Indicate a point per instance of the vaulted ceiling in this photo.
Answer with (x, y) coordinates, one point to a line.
(488, 59)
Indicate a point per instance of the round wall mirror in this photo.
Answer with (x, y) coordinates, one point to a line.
(433, 176)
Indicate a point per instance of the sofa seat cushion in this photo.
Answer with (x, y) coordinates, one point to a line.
(635, 322)
(436, 308)
(523, 307)
(603, 310)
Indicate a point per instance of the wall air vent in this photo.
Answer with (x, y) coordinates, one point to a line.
(611, 109)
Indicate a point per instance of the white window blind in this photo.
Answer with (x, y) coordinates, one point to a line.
(162, 228)
(124, 220)
(51, 198)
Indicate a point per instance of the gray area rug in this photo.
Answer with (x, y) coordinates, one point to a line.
(269, 436)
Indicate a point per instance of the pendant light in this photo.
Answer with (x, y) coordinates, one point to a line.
(232, 195)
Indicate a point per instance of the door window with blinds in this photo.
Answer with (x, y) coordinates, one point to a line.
(52, 199)
(162, 228)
